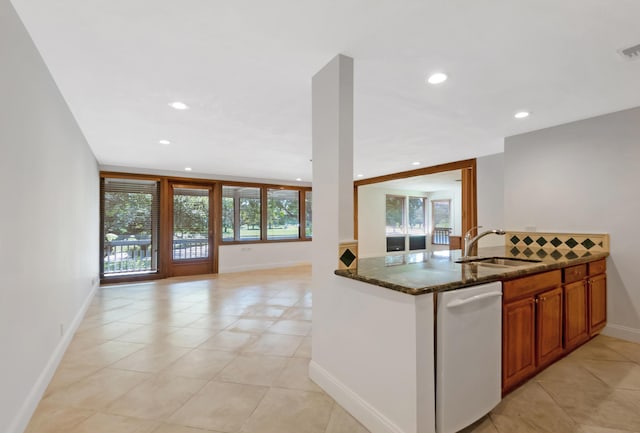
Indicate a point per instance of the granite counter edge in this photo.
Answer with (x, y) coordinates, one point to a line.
(507, 274)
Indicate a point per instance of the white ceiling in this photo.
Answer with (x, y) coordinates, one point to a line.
(245, 69)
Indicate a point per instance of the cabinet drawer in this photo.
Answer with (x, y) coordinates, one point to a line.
(575, 273)
(524, 286)
(598, 267)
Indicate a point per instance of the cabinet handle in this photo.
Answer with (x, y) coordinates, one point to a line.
(536, 300)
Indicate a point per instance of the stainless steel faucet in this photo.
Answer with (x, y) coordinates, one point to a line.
(469, 242)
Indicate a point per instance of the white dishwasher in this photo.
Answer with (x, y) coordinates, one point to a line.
(468, 355)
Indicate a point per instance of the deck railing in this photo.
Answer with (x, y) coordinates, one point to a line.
(136, 255)
(189, 249)
(128, 255)
(441, 236)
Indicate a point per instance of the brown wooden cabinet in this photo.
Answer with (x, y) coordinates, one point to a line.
(531, 326)
(549, 327)
(518, 341)
(576, 306)
(576, 318)
(547, 315)
(597, 289)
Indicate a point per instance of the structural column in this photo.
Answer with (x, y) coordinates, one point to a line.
(332, 135)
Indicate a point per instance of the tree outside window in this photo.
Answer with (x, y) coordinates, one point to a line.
(241, 213)
(283, 214)
(441, 210)
(395, 211)
(417, 215)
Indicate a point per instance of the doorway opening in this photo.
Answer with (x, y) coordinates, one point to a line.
(424, 209)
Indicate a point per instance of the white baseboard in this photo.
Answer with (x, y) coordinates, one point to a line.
(368, 416)
(622, 332)
(22, 418)
(244, 268)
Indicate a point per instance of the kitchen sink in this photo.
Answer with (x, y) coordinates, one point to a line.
(506, 262)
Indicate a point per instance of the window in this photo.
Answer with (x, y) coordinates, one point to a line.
(241, 213)
(308, 224)
(283, 209)
(395, 211)
(260, 213)
(416, 215)
(441, 213)
(129, 214)
(441, 217)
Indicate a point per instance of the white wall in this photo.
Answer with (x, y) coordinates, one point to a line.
(49, 224)
(490, 187)
(380, 370)
(584, 177)
(235, 258)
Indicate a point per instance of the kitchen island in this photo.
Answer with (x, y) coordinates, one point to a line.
(376, 354)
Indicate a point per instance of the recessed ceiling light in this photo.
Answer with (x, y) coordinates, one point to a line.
(415, 163)
(361, 175)
(165, 142)
(298, 179)
(521, 114)
(437, 78)
(187, 169)
(179, 105)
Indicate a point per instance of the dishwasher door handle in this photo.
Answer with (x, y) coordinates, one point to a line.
(459, 302)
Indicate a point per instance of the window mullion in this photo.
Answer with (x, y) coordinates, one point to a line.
(236, 215)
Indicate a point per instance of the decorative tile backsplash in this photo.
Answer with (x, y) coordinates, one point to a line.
(348, 255)
(556, 245)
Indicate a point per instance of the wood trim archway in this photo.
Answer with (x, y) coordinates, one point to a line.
(469, 189)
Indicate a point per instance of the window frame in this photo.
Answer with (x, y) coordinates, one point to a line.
(264, 187)
(403, 227)
(236, 216)
(434, 202)
(164, 266)
(424, 215)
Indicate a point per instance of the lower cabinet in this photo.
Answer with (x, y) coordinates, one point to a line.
(549, 326)
(531, 326)
(546, 315)
(518, 341)
(576, 316)
(597, 303)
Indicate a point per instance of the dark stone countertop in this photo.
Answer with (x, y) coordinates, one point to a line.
(437, 271)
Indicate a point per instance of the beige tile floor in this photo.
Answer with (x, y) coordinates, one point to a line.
(230, 353)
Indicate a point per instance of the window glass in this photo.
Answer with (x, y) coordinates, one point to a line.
(441, 213)
(416, 215)
(190, 223)
(241, 213)
(130, 226)
(307, 209)
(395, 214)
(283, 208)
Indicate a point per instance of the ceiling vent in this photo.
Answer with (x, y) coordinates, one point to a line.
(631, 53)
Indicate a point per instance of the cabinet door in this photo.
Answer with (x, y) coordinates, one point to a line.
(576, 317)
(549, 321)
(518, 342)
(597, 303)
